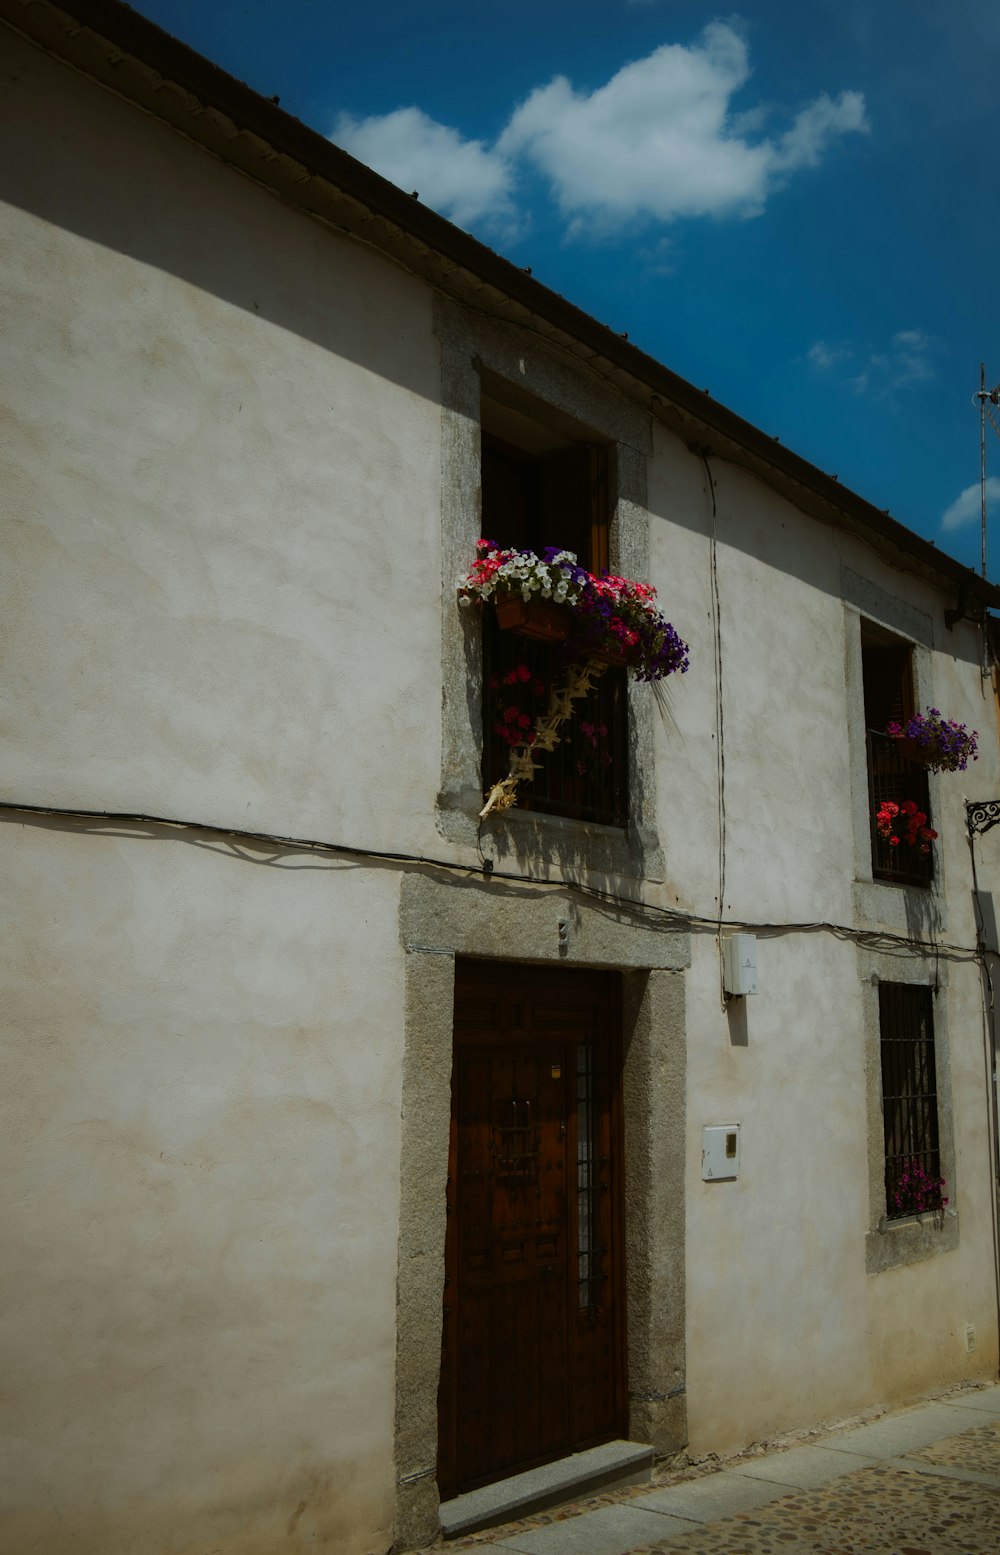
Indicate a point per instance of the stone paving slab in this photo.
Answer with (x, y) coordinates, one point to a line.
(476, 1542)
(805, 1468)
(717, 1495)
(986, 1401)
(614, 1464)
(897, 1436)
(966, 1475)
(929, 1487)
(612, 1530)
(877, 1511)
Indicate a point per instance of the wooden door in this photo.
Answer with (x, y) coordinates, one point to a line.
(533, 1335)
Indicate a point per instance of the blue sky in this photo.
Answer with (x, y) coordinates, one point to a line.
(794, 206)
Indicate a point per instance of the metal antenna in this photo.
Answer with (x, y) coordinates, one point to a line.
(987, 400)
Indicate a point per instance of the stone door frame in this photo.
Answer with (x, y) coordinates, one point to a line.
(439, 921)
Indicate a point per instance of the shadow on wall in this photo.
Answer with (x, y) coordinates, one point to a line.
(140, 189)
(550, 847)
(923, 915)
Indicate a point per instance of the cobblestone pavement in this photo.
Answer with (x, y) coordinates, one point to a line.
(922, 1481)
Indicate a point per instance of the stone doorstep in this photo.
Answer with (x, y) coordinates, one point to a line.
(616, 1464)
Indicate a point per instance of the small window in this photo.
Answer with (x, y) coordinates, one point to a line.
(887, 672)
(546, 483)
(909, 1100)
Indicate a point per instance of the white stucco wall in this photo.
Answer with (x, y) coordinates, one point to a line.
(222, 483)
(222, 602)
(784, 1323)
(200, 1120)
(223, 489)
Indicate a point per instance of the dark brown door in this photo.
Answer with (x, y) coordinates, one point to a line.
(533, 1339)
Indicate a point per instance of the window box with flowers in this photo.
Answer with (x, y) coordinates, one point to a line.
(903, 747)
(904, 825)
(597, 620)
(935, 742)
(904, 754)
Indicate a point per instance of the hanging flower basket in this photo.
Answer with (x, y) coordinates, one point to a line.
(539, 619)
(602, 619)
(545, 622)
(938, 743)
(615, 658)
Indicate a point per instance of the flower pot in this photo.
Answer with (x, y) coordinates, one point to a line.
(912, 750)
(536, 618)
(613, 656)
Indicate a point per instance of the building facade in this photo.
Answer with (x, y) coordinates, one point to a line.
(355, 1143)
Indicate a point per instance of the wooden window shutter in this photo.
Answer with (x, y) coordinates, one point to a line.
(888, 683)
(574, 502)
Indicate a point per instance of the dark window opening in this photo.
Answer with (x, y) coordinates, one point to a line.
(887, 673)
(909, 1100)
(545, 484)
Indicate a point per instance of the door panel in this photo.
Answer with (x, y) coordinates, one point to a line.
(533, 1352)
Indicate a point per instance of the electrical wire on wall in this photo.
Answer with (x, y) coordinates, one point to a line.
(720, 722)
(231, 841)
(990, 1058)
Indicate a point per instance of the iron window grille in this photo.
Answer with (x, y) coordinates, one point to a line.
(887, 672)
(892, 776)
(909, 1094)
(549, 490)
(584, 778)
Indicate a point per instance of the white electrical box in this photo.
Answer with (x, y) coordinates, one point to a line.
(720, 1152)
(739, 964)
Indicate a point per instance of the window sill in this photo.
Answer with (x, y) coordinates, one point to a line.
(557, 842)
(902, 909)
(896, 880)
(900, 1242)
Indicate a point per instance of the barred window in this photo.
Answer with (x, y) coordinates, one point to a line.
(887, 670)
(545, 483)
(909, 1100)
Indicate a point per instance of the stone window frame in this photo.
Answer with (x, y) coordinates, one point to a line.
(471, 343)
(903, 909)
(440, 920)
(889, 1244)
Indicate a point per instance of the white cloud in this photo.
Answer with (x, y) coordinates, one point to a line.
(814, 127)
(905, 361)
(658, 258)
(967, 506)
(463, 179)
(658, 141)
(824, 356)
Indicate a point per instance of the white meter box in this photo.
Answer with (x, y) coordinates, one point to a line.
(739, 964)
(720, 1152)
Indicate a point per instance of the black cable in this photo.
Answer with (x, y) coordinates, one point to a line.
(989, 1047)
(720, 722)
(873, 939)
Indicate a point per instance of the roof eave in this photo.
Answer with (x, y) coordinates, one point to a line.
(124, 51)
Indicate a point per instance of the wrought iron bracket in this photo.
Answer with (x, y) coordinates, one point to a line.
(981, 814)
